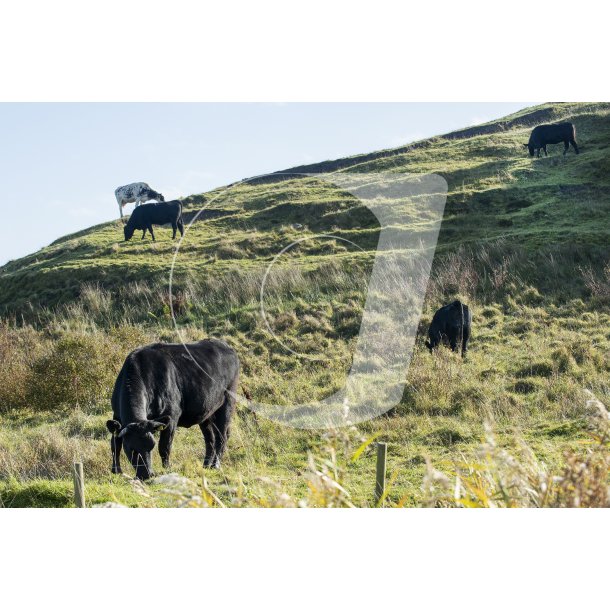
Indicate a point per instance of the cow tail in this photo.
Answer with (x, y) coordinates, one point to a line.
(246, 393)
(250, 412)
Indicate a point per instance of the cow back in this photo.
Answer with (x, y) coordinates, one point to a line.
(187, 381)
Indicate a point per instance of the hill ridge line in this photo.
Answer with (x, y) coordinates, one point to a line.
(533, 116)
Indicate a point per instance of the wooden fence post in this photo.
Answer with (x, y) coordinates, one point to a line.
(79, 485)
(382, 450)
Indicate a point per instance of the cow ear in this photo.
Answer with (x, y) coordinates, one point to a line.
(113, 426)
(158, 424)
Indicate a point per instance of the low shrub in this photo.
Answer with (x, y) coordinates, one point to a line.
(78, 370)
(18, 349)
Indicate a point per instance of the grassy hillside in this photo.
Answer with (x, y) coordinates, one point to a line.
(523, 241)
(495, 192)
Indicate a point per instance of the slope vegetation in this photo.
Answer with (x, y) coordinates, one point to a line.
(523, 241)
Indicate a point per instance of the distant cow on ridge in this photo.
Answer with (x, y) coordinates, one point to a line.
(451, 323)
(552, 134)
(149, 214)
(139, 192)
(168, 385)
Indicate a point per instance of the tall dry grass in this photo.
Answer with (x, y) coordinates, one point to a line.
(598, 284)
(510, 479)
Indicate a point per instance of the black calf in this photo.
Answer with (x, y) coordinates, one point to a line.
(451, 323)
(149, 214)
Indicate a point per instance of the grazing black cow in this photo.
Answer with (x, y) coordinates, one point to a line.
(451, 323)
(149, 214)
(552, 134)
(167, 385)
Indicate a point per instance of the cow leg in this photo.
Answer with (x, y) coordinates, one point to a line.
(116, 444)
(574, 145)
(566, 146)
(209, 461)
(151, 232)
(166, 439)
(144, 233)
(175, 228)
(544, 149)
(181, 227)
(465, 345)
(222, 421)
(453, 343)
(538, 153)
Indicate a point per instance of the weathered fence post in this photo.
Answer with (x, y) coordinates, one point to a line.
(382, 450)
(79, 485)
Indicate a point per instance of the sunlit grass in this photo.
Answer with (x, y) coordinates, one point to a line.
(523, 241)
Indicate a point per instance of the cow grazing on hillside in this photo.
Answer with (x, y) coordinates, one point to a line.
(139, 192)
(149, 214)
(168, 385)
(552, 134)
(451, 323)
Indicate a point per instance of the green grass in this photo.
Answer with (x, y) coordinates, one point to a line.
(495, 192)
(523, 241)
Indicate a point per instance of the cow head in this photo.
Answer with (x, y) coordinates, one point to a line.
(434, 338)
(128, 231)
(138, 442)
(150, 194)
(530, 148)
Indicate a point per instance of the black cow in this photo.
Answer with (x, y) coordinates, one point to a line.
(451, 323)
(552, 134)
(167, 385)
(149, 214)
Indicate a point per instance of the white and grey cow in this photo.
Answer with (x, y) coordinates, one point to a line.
(139, 192)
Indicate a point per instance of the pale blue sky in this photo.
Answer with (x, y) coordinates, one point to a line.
(60, 163)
